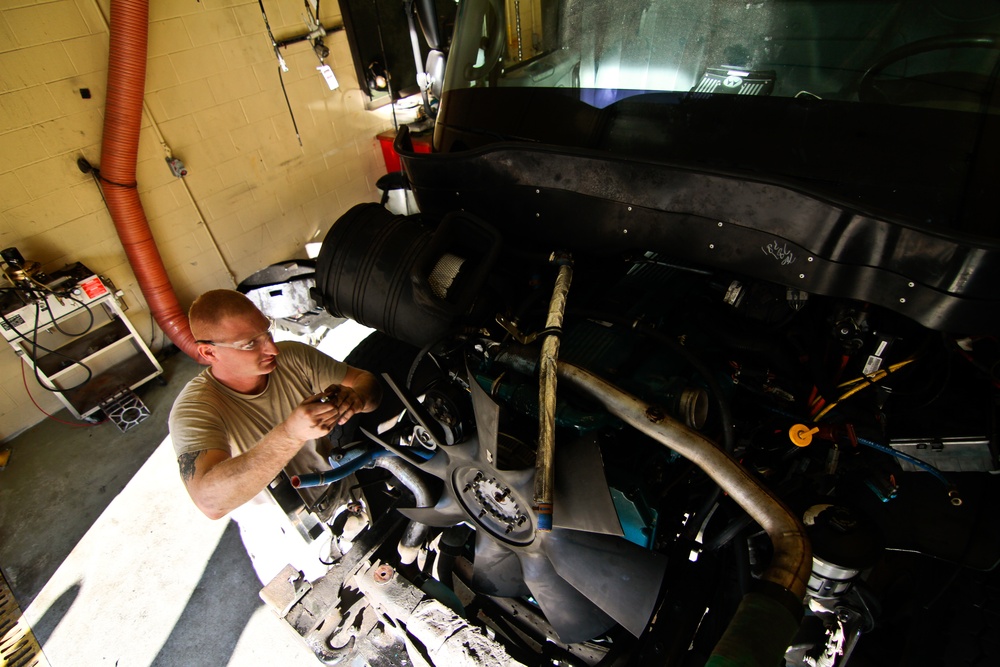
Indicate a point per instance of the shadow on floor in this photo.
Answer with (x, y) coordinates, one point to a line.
(43, 627)
(218, 610)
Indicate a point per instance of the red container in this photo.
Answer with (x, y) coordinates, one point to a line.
(421, 144)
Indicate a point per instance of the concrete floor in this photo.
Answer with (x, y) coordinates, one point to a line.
(110, 562)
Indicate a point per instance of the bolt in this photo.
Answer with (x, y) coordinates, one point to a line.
(501, 496)
(510, 528)
(482, 513)
(521, 519)
(383, 574)
(655, 414)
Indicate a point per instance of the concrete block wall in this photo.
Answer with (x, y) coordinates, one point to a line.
(253, 196)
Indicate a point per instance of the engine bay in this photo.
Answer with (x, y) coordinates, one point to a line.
(712, 438)
(690, 355)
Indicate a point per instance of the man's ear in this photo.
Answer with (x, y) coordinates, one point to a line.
(207, 353)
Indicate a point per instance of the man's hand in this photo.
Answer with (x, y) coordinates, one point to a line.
(345, 401)
(316, 415)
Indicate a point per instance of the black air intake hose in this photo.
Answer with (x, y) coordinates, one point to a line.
(407, 276)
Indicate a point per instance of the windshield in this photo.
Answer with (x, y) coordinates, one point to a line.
(889, 107)
(936, 53)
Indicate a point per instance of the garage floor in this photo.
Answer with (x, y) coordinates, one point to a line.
(111, 564)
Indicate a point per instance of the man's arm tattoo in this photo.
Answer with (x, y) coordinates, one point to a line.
(186, 464)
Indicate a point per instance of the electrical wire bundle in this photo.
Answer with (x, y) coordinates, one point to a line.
(30, 290)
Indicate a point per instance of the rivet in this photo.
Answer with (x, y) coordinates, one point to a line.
(809, 259)
(624, 231)
(911, 284)
(711, 246)
(720, 224)
(802, 275)
(538, 192)
(902, 299)
(630, 208)
(538, 215)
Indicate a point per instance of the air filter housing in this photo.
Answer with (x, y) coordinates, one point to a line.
(411, 277)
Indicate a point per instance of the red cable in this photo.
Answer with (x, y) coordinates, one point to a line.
(24, 379)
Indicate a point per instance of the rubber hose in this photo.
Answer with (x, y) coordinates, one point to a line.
(409, 476)
(119, 151)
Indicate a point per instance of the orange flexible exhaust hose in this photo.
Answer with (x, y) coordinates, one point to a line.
(119, 151)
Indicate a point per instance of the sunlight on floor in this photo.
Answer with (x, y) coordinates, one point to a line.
(142, 587)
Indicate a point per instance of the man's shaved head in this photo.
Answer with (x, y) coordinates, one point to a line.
(215, 306)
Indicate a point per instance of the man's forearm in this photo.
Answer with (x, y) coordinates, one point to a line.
(234, 481)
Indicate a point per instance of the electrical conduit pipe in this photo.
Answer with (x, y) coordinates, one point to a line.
(119, 151)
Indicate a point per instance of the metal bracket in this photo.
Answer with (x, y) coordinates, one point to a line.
(285, 590)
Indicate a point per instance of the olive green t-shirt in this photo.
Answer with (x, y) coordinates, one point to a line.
(209, 415)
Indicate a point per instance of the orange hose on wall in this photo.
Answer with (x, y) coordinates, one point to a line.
(119, 151)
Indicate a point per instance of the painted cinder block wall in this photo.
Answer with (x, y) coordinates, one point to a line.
(253, 196)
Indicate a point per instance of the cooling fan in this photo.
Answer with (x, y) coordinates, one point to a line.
(583, 574)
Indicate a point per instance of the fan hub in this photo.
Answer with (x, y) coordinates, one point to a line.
(494, 505)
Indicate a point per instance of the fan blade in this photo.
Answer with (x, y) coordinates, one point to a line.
(522, 481)
(619, 577)
(447, 512)
(573, 617)
(487, 421)
(582, 498)
(437, 465)
(497, 569)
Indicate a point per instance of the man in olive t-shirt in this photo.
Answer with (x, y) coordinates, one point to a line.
(259, 407)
